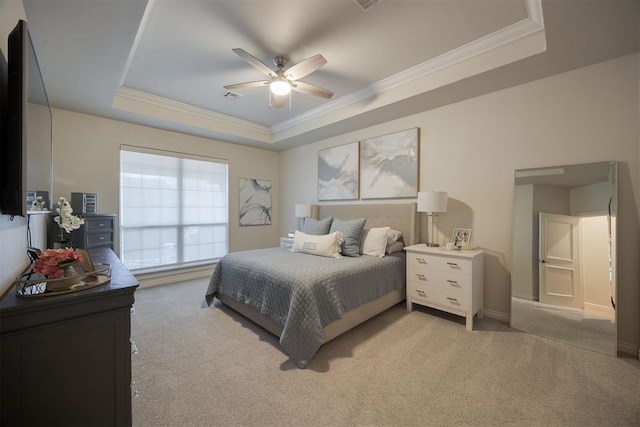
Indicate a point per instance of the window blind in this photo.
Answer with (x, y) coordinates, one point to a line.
(173, 209)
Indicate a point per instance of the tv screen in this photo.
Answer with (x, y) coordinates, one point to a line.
(13, 175)
(25, 153)
(3, 103)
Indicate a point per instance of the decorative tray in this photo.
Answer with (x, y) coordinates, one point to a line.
(32, 284)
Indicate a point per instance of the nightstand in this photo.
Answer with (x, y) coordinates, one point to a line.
(286, 242)
(450, 281)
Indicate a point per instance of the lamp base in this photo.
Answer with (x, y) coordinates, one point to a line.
(433, 245)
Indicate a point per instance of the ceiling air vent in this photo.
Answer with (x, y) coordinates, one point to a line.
(232, 96)
(367, 4)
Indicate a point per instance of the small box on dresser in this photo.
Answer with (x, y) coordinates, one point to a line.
(450, 281)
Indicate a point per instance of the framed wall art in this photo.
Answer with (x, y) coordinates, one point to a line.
(338, 172)
(255, 201)
(389, 166)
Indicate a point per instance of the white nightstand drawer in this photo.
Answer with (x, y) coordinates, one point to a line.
(443, 263)
(451, 299)
(286, 242)
(443, 279)
(451, 281)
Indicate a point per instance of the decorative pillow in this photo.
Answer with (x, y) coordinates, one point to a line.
(396, 246)
(393, 236)
(317, 227)
(375, 241)
(351, 232)
(327, 245)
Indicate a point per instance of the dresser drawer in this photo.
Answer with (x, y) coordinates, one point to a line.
(96, 239)
(444, 279)
(98, 224)
(442, 263)
(451, 299)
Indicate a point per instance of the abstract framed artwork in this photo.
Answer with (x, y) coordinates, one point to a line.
(255, 201)
(338, 172)
(389, 166)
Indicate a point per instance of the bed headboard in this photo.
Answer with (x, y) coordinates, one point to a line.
(398, 216)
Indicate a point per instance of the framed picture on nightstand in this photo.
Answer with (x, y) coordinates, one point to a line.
(461, 238)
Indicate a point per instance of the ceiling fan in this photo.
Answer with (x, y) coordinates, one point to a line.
(282, 81)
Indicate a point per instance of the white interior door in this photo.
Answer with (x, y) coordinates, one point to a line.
(559, 257)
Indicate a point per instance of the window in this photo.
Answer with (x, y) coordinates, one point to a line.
(174, 209)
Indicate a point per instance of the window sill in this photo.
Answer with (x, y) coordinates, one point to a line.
(175, 274)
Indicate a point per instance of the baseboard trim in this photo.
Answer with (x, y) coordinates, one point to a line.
(629, 349)
(497, 315)
(173, 276)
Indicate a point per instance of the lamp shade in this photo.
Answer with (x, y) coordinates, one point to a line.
(303, 210)
(432, 201)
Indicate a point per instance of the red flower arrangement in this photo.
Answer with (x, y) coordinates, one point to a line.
(52, 262)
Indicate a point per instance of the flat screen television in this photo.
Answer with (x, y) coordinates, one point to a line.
(25, 154)
(3, 102)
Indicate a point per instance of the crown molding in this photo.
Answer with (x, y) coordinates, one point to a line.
(533, 24)
(151, 105)
(148, 104)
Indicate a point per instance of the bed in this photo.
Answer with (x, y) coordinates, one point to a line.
(307, 300)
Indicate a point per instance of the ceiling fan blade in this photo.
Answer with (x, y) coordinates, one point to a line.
(310, 89)
(255, 62)
(305, 67)
(247, 84)
(279, 101)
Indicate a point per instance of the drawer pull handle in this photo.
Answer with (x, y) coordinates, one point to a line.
(420, 276)
(452, 264)
(421, 260)
(452, 282)
(101, 238)
(419, 292)
(101, 225)
(452, 299)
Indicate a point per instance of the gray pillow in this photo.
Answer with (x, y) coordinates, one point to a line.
(351, 232)
(317, 227)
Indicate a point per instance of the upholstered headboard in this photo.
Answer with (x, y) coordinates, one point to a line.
(398, 216)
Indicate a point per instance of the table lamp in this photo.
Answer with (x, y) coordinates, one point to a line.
(432, 202)
(303, 210)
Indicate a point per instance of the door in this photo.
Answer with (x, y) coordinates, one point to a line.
(559, 261)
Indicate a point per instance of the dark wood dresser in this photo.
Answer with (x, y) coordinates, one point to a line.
(66, 359)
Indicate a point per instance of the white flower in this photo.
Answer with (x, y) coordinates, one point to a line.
(38, 204)
(66, 220)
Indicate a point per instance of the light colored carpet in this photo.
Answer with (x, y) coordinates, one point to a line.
(592, 331)
(211, 367)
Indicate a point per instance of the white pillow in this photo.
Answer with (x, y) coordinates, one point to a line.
(375, 241)
(327, 245)
(393, 236)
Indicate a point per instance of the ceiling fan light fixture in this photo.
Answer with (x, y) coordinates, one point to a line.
(280, 87)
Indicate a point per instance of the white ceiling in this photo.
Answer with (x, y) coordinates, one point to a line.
(164, 63)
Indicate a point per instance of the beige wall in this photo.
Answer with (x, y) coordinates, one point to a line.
(472, 148)
(86, 159)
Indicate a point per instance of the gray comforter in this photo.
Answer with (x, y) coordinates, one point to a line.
(302, 292)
